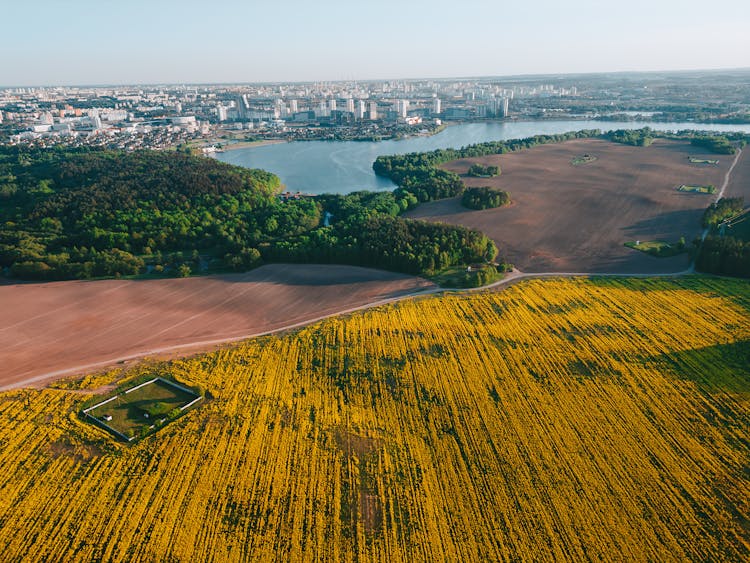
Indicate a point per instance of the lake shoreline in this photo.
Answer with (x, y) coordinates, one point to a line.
(346, 166)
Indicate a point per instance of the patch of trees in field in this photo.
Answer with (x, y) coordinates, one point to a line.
(723, 209)
(635, 137)
(484, 198)
(645, 136)
(721, 144)
(83, 213)
(714, 143)
(479, 171)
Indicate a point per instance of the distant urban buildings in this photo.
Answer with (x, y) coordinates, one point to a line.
(157, 116)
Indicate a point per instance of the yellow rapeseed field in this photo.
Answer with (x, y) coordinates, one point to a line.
(556, 420)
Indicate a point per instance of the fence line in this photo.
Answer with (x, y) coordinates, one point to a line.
(119, 434)
(190, 404)
(86, 411)
(142, 384)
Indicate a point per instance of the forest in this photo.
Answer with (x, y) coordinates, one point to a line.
(718, 253)
(87, 213)
(727, 256)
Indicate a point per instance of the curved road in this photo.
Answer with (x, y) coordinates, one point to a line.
(514, 277)
(719, 195)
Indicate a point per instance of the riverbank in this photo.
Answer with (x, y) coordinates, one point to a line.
(346, 166)
(252, 144)
(243, 144)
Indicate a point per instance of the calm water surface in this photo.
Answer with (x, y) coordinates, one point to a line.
(346, 166)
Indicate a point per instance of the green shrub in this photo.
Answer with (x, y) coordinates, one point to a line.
(484, 198)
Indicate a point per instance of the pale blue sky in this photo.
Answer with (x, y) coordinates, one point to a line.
(164, 41)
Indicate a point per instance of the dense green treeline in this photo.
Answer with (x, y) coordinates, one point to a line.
(636, 137)
(718, 144)
(484, 198)
(727, 256)
(722, 144)
(80, 213)
(720, 254)
(390, 243)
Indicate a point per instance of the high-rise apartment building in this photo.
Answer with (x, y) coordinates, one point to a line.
(402, 108)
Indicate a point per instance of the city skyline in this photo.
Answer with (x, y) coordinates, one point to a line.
(83, 42)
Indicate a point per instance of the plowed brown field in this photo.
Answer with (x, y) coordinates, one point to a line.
(53, 329)
(739, 182)
(576, 218)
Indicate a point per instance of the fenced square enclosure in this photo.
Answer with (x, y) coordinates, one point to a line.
(142, 408)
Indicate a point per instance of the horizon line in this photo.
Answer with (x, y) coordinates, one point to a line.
(346, 80)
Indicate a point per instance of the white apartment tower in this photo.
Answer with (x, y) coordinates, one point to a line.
(436, 106)
(373, 111)
(402, 107)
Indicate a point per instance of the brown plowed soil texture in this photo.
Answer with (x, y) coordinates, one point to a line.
(49, 328)
(739, 182)
(566, 218)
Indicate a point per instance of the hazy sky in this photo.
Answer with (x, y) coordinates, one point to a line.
(147, 41)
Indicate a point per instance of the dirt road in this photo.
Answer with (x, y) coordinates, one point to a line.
(51, 330)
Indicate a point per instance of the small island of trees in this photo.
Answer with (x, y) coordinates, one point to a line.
(479, 171)
(714, 143)
(484, 198)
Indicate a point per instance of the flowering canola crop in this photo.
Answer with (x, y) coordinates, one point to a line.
(556, 420)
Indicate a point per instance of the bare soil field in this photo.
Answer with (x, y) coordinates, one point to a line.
(567, 218)
(739, 182)
(50, 330)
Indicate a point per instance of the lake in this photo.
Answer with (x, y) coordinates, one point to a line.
(346, 166)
